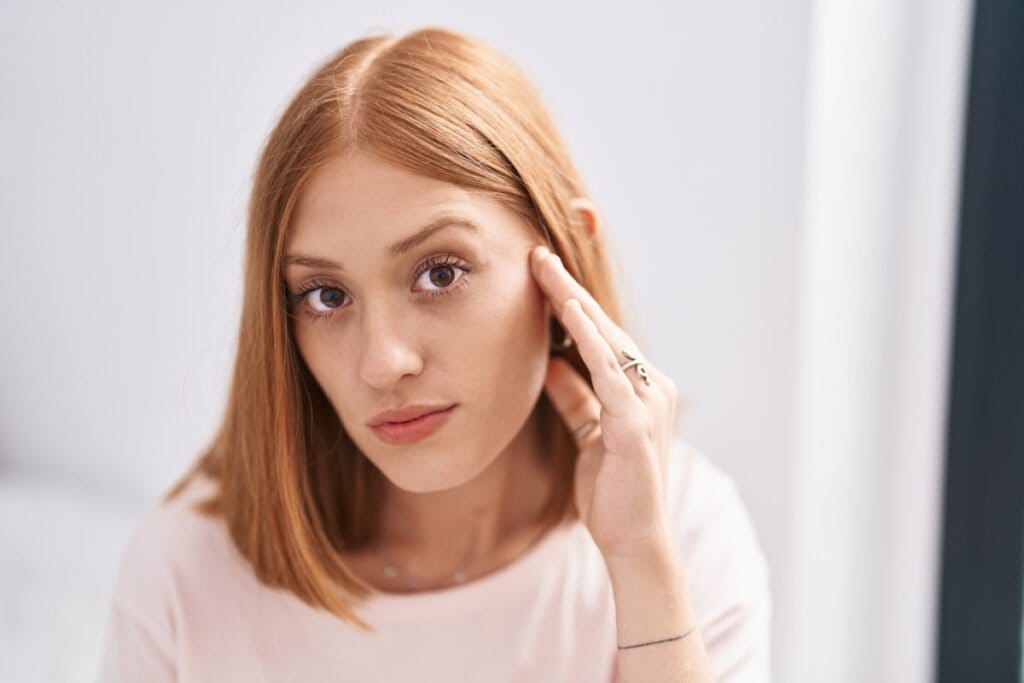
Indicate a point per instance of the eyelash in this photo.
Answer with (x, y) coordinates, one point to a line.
(433, 262)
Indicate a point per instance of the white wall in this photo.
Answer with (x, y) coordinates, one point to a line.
(885, 101)
(129, 135)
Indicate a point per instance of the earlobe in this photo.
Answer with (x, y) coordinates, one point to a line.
(589, 212)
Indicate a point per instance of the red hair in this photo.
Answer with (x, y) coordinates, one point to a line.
(294, 490)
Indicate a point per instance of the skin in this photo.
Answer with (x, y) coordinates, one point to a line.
(474, 487)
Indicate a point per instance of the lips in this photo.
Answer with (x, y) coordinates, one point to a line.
(423, 423)
(406, 413)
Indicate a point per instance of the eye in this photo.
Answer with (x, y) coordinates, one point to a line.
(440, 272)
(322, 299)
(330, 298)
(441, 275)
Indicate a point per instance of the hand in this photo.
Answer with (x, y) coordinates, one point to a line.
(621, 472)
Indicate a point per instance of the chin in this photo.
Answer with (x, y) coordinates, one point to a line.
(429, 467)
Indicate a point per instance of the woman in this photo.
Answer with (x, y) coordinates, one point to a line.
(442, 458)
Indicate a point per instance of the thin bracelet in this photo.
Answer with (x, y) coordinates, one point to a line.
(655, 642)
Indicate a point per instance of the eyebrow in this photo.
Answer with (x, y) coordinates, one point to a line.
(397, 249)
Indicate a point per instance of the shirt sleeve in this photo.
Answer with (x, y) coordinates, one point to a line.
(133, 651)
(140, 639)
(725, 567)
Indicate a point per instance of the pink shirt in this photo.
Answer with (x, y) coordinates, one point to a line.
(187, 606)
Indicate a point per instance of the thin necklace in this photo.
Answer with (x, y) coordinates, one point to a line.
(392, 571)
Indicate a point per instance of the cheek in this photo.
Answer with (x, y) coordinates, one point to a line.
(318, 348)
(507, 336)
(310, 346)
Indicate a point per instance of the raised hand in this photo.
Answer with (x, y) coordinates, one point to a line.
(623, 426)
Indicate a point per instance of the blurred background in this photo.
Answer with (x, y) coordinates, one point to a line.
(785, 187)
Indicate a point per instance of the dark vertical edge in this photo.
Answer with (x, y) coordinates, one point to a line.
(979, 631)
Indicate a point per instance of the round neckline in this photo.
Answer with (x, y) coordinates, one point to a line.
(383, 606)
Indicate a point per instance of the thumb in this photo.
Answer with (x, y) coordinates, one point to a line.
(572, 398)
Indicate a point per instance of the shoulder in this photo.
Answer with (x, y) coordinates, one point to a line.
(166, 550)
(725, 566)
(162, 562)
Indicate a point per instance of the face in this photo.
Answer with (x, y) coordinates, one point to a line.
(452, 319)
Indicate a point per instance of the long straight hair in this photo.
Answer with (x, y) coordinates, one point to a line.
(293, 488)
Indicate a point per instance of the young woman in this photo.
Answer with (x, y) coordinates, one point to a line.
(443, 458)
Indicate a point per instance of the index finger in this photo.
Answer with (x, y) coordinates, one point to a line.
(560, 286)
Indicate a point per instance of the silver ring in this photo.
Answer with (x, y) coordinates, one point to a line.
(634, 360)
(587, 427)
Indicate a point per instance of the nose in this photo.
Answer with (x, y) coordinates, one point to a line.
(388, 352)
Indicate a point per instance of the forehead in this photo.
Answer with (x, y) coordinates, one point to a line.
(362, 198)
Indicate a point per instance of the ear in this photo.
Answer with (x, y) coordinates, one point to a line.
(586, 207)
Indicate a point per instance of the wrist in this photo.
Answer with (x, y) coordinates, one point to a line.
(657, 556)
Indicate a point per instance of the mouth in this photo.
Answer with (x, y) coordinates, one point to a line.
(412, 430)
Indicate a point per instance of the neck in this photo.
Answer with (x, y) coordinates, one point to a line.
(438, 530)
